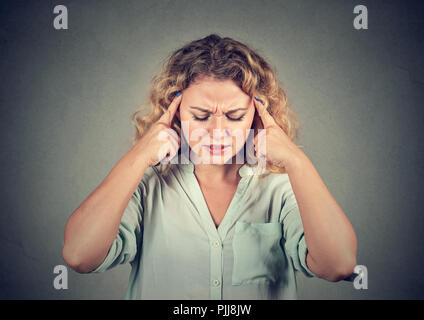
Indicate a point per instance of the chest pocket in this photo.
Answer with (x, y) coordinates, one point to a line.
(258, 256)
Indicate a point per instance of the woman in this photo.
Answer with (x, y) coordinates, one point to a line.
(204, 224)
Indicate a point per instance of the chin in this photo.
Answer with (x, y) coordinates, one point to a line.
(218, 157)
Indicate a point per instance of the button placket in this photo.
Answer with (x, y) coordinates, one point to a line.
(216, 269)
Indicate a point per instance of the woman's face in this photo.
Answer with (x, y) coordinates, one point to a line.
(215, 115)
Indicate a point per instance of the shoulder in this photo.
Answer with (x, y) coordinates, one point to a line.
(150, 174)
(157, 176)
(275, 181)
(150, 178)
(276, 188)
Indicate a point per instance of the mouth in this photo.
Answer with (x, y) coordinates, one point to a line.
(216, 148)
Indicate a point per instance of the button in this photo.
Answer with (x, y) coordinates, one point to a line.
(216, 282)
(216, 243)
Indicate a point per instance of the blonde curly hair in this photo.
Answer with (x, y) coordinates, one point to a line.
(221, 59)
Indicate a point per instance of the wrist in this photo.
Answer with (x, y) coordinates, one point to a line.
(139, 158)
(296, 162)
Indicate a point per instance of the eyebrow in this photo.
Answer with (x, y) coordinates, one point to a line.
(208, 111)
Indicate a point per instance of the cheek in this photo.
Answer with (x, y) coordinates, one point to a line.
(240, 132)
(244, 125)
(248, 121)
(192, 129)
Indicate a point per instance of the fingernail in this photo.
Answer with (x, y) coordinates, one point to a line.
(178, 93)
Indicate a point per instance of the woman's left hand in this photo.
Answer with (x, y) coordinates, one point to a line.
(272, 144)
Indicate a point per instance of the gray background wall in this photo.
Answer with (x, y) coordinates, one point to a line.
(66, 98)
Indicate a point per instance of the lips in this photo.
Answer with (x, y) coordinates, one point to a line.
(216, 148)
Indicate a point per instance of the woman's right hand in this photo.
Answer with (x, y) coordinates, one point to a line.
(160, 142)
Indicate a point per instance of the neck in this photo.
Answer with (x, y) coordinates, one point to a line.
(217, 172)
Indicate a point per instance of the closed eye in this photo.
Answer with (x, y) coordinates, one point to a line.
(201, 118)
(207, 113)
(207, 117)
(235, 119)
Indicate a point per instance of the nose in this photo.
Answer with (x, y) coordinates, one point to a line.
(217, 127)
(217, 122)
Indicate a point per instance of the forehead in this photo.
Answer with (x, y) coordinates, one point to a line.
(210, 92)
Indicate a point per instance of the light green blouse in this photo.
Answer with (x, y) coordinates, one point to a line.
(176, 252)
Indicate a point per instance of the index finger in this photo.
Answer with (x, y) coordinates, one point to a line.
(172, 109)
(266, 118)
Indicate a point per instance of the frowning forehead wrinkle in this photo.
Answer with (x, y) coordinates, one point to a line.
(210, 111)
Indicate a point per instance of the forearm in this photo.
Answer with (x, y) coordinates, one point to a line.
(329, 235)
(93, 226)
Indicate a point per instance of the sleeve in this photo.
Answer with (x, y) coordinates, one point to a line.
(295, 243)
(130, 233)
